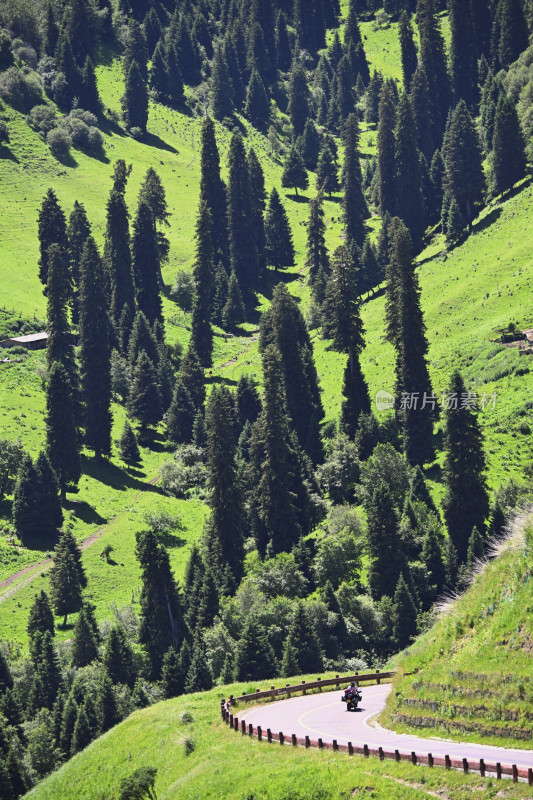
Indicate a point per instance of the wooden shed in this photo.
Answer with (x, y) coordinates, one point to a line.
(33, 341)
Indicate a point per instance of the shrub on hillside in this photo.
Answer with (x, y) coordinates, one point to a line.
(42, 118)
(4, 133)
(19, 90)
(24, 53)
(183, 290)
(186, 474)
(59, 143)
(6, 56)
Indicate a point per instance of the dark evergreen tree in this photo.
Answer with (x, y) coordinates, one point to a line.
(81, 735)
(199, 678)
(247, 401)
(66, 64)
(466, 503)
(283, 45)
(404, 614)
(213, 193)
(158, 81)
(345, 96)
(118, 657)
(384, 545)
(84, 645)
(52, 229)
(421, 108)
(95, 352)
(433, 60)
(387, 151)
(135, 99)
(233, 312)
(408, 191)
(372, 97)
(455, 222)
(408, 49)
(192, 376)
(63, 448)
(310, 145)
(463, 60)
(354, 203)
(40, 618)
(175, 90)
(513, 32)
(294, 172)
(202, 335)
(172, 678)
(187, 50)
(152, 30)
(317, 260)
(508, 148)
(371, 272)
(6, 679)
(65, 586)
(161, 613)
(302, 638)
(463, 161)
(144, 403)
(257, 208)
(299, 101)
(142, 338)
(128, 447)
(26, 512)
(118, 257)
(254, 659)
(146, 266)
(77, 233)
(180, 416)
(280, 248)
(243, 253)
(257, 107)
(327, 179)
(135, 49)
(106, 705)
(90, 96)
(222, 88)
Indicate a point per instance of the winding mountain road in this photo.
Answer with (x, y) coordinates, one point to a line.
(324, 716)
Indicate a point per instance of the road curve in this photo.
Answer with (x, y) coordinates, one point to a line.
(324, 716)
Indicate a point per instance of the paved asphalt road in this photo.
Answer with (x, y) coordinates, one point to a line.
(324, 716)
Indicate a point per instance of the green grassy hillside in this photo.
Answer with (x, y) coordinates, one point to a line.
(471, 673)
(225, 765)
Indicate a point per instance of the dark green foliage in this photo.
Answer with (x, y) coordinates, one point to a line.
(135, 99)
(327, 179)
(247, 401)
(95, 351)
(144, 403)
(146, 266)
(63, 448)
(67, 65)
(142, 338)
(213, 193)
(6, 679)
(387, 151)
(152, 30)
(199, 678)
(118, 657)
(508, 156)
(463, 62)
(309, 144)
(433, 60)
(172, 677)
(498, 521)
(158, 72)
(84, 645)
(294, 172)
(36, 503)
(233, 312)
(466, 503)
(283, 46)
(298, 109)
(383, 543)
(106, 705)
(243, 252)
(161, 614)
(476, 548)
(255, 658)
(174, 79)
(128, 447)
(81, 735)
(257, 107)
(77, 233)
(222, 89)
(202, 335)
(356, 399)
(337, 632)
(408, 191)
(257, 208)
(40, 618)
(47, 668)
(513, 31)
(317, 260)
(192, 376)
(371, 274)
(67, 577)
(135, 49)
(354, 203)
(180, 416)
(118, 257)
(52, 229)
(139, 785)
(464, 176)
(404, 615)
(433, 559)
(91, 97)
(302, 647)
(226, 524)
(280, 248)
(455, 223)
(186, 49)
(372, 97)
(345, 98)
(421, 108)
(408, 49)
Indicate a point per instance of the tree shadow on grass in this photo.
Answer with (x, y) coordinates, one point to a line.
(487, 221)
(219, 380)
(116, 478)
(84, 512)
(171, 539)
(7, 155)
(298, 198)
(152, 140)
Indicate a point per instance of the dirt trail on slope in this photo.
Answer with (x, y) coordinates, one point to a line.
(42, 566)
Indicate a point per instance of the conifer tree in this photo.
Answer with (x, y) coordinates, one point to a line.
(476, 548)
(65, 583)
(254, 659)
(222, 88)
(63, 448)
(40, 618)
(77, 233)
(161, 614)
(294, 172)
(66, 64)
(91, 97)
(95, 352)
(81, 735)
(463, 62)
(455, 222)
(243, 253)
(144, 403)
(52, 229)
(199, 678)
(58, 345)
(464, 176)
(404, 614)
(175, 90)
(118, 657)
(387, 151)
(26, 513)
(118, 257)
(466, 503)
(202, 335)
(372, 97)
(142, 338)
(513, 31)
(283, 45)
(180, 416)
(280, 248)
(257, 107)
(135, 49)
(383, 543)
(233, 312)
(84, 645)
(433, 60)
(302, 638)
(172, 678)
(354, 203)
(408, 192)
(309, 144)
(213, 193)
(256, 178)
(508, 149)
(432, 558)
(47, 498)
(317, 260)
(408, 49)
(158, 81)
(128, 447)
(135, 99)
(226, 524)
(6, 679)
(152, 30)
(371, 272)
(299, 102)
(421, 108)
(192, 376)
(146, 266)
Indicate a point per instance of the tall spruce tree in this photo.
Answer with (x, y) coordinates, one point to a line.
(257, 208)
(254, 659)
(384, 545)
(146, 266)
(52, 229)
(84, 645)
(404, 614)
(303, 640)
(161, 613)
(202, 334)
(513, 30)
(421, 108)
(40, 618)
(135, 99)
(387, 151)
(408, 190)
(226, 525)
(294, 172)
(279, 244)
(144, 402)
(463, 61)
(118, 258)
(433, 59)
(463, 160)
(63, 447)
(257, 107)
(466, 502)
(354, 203)
(26, 513)
(95, 352)
(243, 253)
(508, 148)
(317, 260)
(408, 49)
(77, 232)
(67, 577)
(299, 101)
(213, 193)
(327, 179)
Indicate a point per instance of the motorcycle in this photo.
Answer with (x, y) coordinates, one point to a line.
(352, 698)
